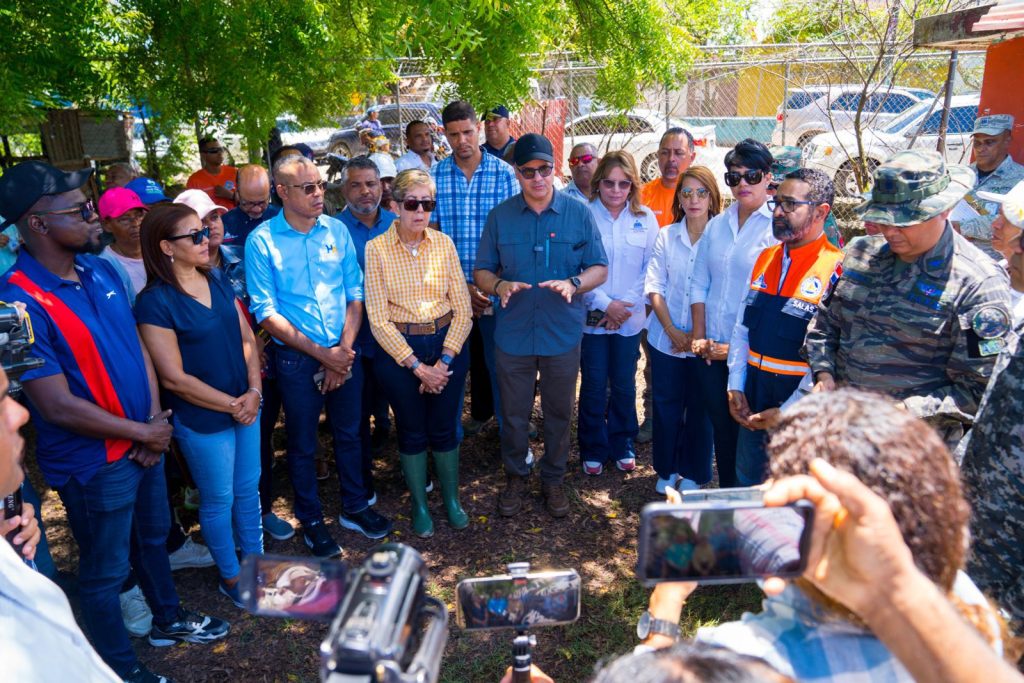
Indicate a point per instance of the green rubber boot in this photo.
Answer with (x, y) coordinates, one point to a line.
(414, 467)
(446, 464)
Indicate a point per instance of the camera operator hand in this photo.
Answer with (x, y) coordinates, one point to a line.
(155, 435)
(536, 675)
(29, 532)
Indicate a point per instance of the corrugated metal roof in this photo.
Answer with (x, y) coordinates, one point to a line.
(1005, 15)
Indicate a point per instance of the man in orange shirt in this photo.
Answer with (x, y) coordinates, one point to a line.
(214, 178)
(675, 154)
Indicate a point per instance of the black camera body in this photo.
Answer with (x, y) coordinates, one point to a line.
(15, 340)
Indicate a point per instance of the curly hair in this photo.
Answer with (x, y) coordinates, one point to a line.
(893, 453)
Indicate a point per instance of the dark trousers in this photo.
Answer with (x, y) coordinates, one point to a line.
(517, 376)
(682, 430)
(424, 420)
(268, 420)
(713, 382)
(303, 404)
(482, 406)
(607, 421)
(120, 516)
(375, 405)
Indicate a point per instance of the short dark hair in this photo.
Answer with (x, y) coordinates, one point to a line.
(751, 154)
(160, 222)
(359, 163)
(676, 130)
(459, 110)
(822, 189)
(688, 661)
(204, 141)
(417, 122)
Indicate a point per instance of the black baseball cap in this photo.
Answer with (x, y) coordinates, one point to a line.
(531, 147)
(24, 184)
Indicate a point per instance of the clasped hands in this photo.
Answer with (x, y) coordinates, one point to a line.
(336, 362)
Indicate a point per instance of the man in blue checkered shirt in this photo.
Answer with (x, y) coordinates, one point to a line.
(469, 184)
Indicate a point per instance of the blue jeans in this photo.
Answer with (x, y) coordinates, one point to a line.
(121, 503)
(712, 384)
(424, 419)
(607, 419)
(751, 457)
(226, 468)
(682, 431)
(303, 404)
(486, 325)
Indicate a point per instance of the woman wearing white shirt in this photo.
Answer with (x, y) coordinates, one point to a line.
(682, 431)
(616, 313)
(721, 279)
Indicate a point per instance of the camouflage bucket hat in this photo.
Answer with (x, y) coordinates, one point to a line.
(913, 186)
(786, 160)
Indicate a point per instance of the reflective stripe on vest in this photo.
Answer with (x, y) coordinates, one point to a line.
(779, 366)
(87, 355)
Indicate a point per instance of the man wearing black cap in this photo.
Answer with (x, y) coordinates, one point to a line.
(548, 250)
(96, 408)
(496, 132)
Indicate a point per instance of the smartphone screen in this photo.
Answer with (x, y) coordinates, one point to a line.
(722, 542)
(301, 588)
(748, 493)
(518, 602)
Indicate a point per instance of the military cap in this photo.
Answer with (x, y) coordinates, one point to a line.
(993, 124)
(1012, 201)
(913, 186)
(786, 160)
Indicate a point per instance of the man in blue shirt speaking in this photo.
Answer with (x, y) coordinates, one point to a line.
(306, 290)
(539, 251)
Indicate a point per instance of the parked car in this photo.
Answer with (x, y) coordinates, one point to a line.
(638, 132)
(346, 142)
(293, 132)
(822, 109)
(832, 152)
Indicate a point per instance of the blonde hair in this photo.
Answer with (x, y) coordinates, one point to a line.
(624, 160)
(410, 178)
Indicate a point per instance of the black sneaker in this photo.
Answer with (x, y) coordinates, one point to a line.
(319, 540)
(367, 522)
(189, 627)
(140, 674)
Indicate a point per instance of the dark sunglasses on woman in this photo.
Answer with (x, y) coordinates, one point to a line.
(411, 204)
(197, 237)
(752, 176)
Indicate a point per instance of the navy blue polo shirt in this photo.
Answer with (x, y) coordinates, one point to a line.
(99, 300)
(360, 236)
(556, 244)
(238, 225)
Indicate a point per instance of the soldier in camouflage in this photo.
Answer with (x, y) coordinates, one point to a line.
(997, 174)
(919, 313)
(787, 159)
(993, 462)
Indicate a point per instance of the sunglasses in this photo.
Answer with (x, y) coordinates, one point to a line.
(85, 209)
(310, 188)
(788, 205)
(197, 237)
(412, 204)
(753, 177)
(530, 173)
(609, 184)
(213, 150)
(245, 203)
(689, 192)
(581, 159)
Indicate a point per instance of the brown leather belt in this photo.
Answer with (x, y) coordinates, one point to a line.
(416, 329)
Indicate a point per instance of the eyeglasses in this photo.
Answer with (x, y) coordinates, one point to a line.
(529, 173)
(689, 192)
(609, 184)
(581, 159)
(788, 205)
(753, 177)
(212, 150)
(85, 209)
(197, 237)
(246, 204)
(411, 204)
(310, 188)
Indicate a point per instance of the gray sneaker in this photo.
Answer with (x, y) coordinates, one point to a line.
(190, 555)
(138, 619)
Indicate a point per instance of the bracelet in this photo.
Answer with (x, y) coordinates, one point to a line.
(415, 364)
(496, 286)
(256, 391)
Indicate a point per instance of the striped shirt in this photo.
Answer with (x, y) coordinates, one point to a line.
(462, 206)
(407, 288)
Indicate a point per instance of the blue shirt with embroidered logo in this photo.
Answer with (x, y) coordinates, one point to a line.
(238, 225)
(360, 236)
(308, 278)
(99, 300)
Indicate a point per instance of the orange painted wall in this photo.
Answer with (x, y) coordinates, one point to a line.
(1001, 88)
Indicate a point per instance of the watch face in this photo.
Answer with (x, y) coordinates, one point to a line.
(643, 627)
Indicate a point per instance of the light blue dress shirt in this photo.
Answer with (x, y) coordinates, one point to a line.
(309, 279)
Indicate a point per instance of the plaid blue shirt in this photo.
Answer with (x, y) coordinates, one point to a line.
(462, 207)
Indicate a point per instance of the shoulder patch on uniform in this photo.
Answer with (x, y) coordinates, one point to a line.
(759, 283)
(991, 322)
(811, 287)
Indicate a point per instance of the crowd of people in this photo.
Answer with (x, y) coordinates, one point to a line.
(248, 293)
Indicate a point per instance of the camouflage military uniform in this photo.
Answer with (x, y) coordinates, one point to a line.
(788, 159)
(1000, 181)
(993, 475)
(928, 332)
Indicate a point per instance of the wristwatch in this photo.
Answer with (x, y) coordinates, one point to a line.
(648, 625)
(576, 282)
(415, 364)
(447, 359)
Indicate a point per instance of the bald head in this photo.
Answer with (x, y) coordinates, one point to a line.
(253, 190)
(288, 168)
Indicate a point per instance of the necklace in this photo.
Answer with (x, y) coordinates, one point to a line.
(413, 247)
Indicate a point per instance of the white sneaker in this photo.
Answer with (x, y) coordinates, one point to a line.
(190, 555)
(138, 620)
(664, 484)
(685, 484)
(529, 457)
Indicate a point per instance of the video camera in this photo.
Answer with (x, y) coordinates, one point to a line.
(384, 627)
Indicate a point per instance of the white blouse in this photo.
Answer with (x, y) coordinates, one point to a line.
(669, 274)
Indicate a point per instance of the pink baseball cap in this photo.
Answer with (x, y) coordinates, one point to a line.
(198, 201)
(116, 201)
